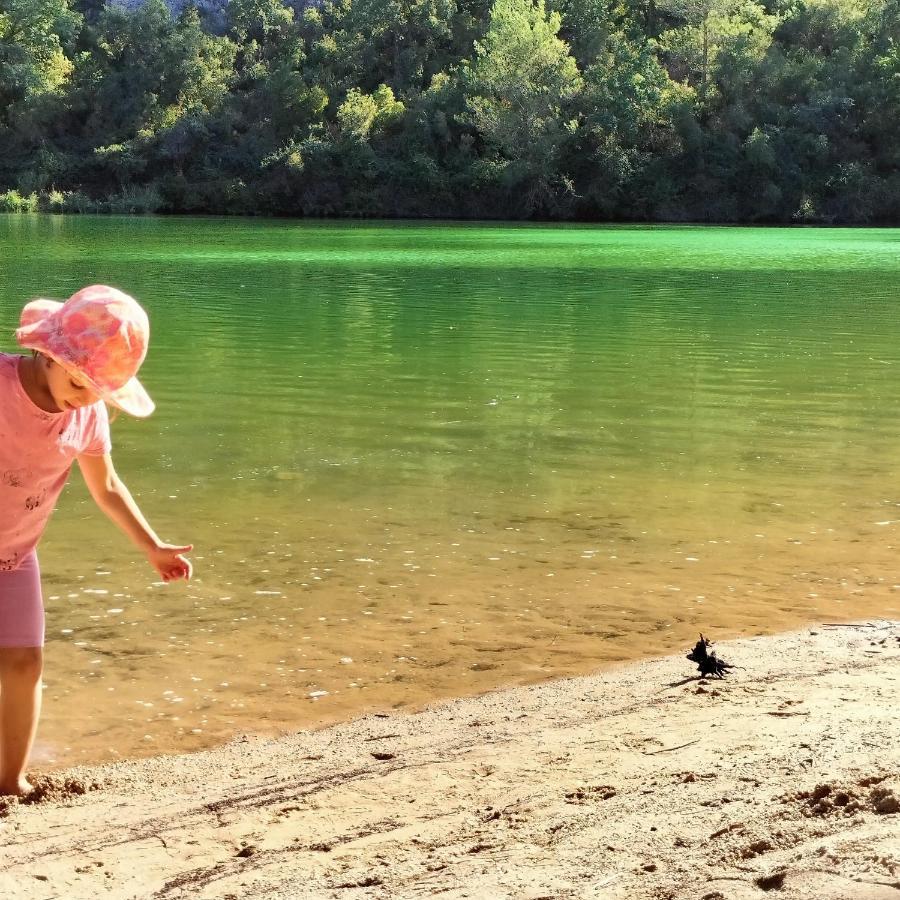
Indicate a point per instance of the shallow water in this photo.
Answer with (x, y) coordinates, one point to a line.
(426, 460)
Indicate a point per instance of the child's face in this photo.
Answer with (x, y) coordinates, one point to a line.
(67, 390)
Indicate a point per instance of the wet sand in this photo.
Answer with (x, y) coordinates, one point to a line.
(637, 782)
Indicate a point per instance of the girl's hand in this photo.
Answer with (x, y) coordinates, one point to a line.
(170, 562)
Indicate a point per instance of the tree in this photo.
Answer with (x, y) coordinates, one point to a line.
(519, 87)
(33, 37)
(717, 45)
(360, 114)
(401, 43)
(258, 23)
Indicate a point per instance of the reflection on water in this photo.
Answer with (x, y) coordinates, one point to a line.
(418, 461)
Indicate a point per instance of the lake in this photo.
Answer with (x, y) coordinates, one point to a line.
(424, 460)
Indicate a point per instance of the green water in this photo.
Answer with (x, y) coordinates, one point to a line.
(422, 460)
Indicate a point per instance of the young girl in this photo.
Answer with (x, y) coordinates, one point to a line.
(85, 354)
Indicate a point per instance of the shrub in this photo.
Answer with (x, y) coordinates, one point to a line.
(14, 202)
(135, 199)
(77, 202)
(52, 202)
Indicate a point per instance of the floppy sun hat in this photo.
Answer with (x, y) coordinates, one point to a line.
(100, 336)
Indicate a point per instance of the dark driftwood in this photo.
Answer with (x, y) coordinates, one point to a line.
(707, 661)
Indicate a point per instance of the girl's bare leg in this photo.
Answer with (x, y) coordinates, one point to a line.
(20, 708)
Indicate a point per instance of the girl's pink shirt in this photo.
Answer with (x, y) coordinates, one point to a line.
(37, 449)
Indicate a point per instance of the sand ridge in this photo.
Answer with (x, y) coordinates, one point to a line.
(637, 782)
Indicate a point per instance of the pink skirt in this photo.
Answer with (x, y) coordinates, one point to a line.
(22, 605)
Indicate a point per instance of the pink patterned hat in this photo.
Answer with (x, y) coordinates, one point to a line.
(100, 335)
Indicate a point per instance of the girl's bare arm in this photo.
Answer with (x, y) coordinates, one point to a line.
(113, 497)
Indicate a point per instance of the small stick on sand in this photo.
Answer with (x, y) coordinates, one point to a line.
(667, 749)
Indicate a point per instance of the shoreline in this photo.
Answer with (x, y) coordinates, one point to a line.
(637, 781)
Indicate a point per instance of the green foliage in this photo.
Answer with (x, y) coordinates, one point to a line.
(522, 76)
(54, 202)
(520, 86)
(33, 39)
(362, 114)
(364, 43)
(258, 20)
(718, 45)
(14, 202)
(708, 110)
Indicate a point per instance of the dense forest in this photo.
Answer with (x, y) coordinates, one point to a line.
(780, 111)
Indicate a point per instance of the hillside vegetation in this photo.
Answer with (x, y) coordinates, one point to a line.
(784, 111)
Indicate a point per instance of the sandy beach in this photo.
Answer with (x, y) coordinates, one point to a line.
(640, 781)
